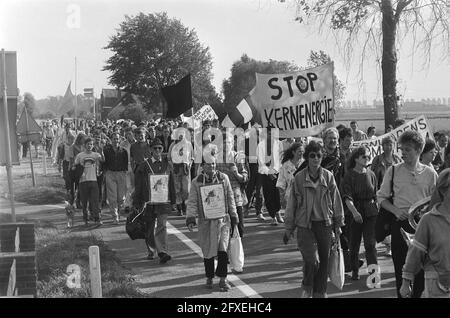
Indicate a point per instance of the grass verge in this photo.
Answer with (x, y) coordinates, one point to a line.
(48, 190)
(56, 249)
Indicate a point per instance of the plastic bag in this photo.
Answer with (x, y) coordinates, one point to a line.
(336, 267)
(236, 251)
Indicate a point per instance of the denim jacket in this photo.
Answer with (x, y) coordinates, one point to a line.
(301, 199)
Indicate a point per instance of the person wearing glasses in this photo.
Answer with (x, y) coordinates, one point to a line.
(157, 212)
(314, 209)
(413, 181)
(359, 195)
(430, 248)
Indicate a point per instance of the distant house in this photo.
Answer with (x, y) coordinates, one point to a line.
(108, 100)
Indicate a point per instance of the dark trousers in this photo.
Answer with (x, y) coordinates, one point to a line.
(345, 235)
(271, 195)
(89, 193)
(100, 183)
(315, 244)
(222, 265)
(240, 226)
(367, 231)
(66, 175)
(399, 250)
(254, 185)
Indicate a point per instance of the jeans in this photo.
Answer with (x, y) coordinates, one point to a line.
(89, 193)
(367, 231)
(222, 265)
(156, 239)
(399, 250)
(240, 226)
(314, 245)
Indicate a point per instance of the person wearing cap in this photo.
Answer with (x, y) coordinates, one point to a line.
(156, 238)
(139, 151)
(213, 234)
(430, 248)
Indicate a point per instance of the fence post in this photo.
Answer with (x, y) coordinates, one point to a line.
(95, 273)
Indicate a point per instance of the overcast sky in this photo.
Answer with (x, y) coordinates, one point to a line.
(46, 45)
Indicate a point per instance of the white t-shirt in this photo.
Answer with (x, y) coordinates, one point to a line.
(90, 164)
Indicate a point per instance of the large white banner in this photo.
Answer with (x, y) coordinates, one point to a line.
(300, 104)
(374, 145)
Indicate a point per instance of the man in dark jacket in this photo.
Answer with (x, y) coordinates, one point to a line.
(159, 195)
(115, 166)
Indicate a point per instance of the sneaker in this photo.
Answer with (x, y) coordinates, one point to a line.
(150, 255)
(388, 250)
(274, 222)
(209, 283)
(355, 275)
(164, 258)
(305, 293)
(224, 285)
(279, 217)
(260, 217)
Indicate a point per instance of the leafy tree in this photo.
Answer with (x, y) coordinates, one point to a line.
(30, 103)
(243, 78)
(377, 26)
(153, 51)
(319, 58)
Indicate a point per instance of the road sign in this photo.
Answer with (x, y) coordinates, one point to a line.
(28, 129)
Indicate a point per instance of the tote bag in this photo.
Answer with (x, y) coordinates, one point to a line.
(236, 251)
(336, 269)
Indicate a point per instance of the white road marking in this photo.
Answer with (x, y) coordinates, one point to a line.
(243, 287)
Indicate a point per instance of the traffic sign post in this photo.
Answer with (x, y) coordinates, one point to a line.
(7, 136)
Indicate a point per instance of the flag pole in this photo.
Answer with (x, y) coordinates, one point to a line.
(29, 146)
(8, 141)
(76, 99)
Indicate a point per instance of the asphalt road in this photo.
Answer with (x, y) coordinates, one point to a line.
(272, 269)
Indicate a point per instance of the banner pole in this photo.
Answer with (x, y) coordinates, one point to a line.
(8, 141)
(29, 145)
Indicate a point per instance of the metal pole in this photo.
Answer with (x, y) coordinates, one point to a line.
(29, 145)
(76, 98)
(8, 141)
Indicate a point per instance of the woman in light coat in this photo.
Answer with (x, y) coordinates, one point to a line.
(213, 234)
(315, 210)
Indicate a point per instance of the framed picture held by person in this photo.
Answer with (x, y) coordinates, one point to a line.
(213, 201)
(158, 188)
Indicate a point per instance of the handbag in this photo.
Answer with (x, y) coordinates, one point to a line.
(135, 225)
(336, 269)
(236, 251)
(384, 217)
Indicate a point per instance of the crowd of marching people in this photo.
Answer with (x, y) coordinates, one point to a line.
(323, 190)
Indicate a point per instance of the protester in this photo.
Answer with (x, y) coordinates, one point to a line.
(139, 151)
(115, 167)
(359, 194)
(412, 182)
(430, 249)
(442, 141)
(379, 166)
(156, 238)
(254, 185)
(77, 147)
(213, 234)
(269, 164)
(357, 134)
(292, 159)
(126, 144)
(315, 209)
(371, 131)
(233, 165)
(429, 153)
(88, 182)
(181, 155)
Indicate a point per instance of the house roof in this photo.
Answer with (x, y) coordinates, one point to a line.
(110, 93)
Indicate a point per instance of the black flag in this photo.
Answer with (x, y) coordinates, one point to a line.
(178, 97)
